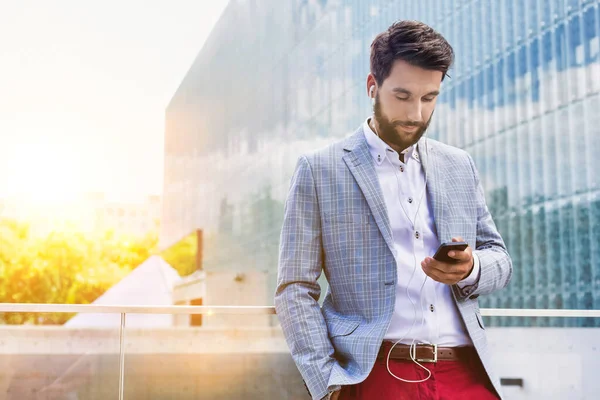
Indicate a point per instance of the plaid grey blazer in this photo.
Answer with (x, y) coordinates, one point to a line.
(335, 220)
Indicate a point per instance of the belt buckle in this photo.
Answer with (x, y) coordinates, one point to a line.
(435, 355)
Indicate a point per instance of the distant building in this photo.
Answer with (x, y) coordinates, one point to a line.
(91, 212)
(222, 288)
(132, 218)
(276, 79)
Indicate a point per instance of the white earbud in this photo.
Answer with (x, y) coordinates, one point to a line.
(371, 89)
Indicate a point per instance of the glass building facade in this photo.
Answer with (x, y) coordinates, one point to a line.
(279, 78)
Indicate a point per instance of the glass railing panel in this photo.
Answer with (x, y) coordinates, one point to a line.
(76, 360)
(209, 357)
(228, 356)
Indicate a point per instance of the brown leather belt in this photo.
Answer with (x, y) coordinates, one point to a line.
(426, 352)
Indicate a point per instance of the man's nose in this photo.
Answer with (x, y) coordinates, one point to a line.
(414, 113)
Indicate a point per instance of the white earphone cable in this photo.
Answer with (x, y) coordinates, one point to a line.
(412, 349)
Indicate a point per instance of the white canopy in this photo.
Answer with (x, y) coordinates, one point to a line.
(150, 284)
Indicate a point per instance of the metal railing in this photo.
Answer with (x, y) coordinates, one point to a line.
(245, 310)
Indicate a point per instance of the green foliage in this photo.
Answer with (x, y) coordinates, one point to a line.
(182, 255)
(63, 267)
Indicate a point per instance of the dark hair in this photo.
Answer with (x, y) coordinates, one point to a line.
(411, 41)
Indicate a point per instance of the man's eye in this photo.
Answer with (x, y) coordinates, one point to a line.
(402, 99)
(428, 100)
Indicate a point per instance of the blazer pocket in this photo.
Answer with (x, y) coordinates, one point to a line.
(347, 218)
(479, 319)
(341, 326)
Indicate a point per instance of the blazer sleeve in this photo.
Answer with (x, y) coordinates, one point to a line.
(495, 264)
(297, 292)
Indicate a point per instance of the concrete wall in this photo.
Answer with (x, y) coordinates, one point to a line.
(554, 363)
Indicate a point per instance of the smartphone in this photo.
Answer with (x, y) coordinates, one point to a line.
(442, 252)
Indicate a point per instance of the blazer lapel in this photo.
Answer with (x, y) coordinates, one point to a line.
(435, 188)
(359, 162)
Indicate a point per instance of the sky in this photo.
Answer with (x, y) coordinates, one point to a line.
(83, 90)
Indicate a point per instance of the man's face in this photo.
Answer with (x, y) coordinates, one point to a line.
(404, 104)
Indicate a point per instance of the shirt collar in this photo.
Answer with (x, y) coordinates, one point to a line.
(380, 150)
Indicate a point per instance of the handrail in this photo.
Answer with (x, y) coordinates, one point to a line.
(533, 312)
(116, 309)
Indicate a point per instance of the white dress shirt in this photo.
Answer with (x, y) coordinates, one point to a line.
(435, 315)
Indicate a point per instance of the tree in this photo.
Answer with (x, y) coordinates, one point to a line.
(63, 267)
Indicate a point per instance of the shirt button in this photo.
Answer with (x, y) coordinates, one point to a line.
(410, 200)
(431, 308)
(401, 169)
(417, 234)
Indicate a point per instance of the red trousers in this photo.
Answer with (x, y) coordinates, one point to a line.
(465, 379)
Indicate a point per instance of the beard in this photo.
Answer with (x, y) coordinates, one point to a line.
(388, 132)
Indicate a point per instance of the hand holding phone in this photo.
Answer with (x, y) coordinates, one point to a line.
(448, 269)
(442, 252)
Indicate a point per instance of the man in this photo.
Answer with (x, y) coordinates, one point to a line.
(371, 211)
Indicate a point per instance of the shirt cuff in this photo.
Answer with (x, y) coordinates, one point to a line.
(473, 276)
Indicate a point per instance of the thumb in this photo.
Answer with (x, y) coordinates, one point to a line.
(457, 239)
